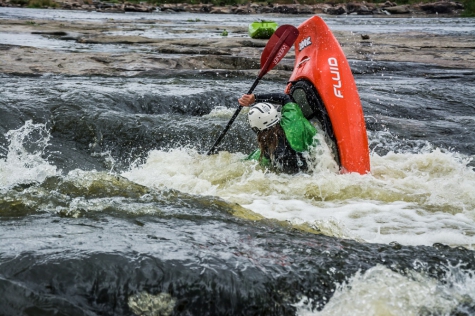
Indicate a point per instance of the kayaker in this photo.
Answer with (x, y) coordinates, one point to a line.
(283, 133)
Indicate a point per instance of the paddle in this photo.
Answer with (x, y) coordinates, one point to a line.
(277, 46)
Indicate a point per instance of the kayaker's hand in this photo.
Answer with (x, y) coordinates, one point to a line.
(247, 99)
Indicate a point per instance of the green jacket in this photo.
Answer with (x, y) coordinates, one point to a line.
(299, 132)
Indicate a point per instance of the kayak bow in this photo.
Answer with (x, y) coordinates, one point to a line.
(323, 85)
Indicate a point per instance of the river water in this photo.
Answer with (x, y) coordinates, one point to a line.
(108, 204)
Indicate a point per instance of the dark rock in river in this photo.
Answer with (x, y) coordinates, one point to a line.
(220, 10)
(441, 7)
(389, 4)
(399, 9)
(338, 10)
(138, 8)
(359, 8)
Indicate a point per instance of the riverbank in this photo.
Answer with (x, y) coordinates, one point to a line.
(52, 47)
(436, 8)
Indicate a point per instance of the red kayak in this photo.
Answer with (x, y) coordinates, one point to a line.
(323, 85)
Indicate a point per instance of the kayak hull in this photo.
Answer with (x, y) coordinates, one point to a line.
(322, 83)
(262, 30)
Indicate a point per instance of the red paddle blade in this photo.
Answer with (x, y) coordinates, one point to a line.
(277, 46)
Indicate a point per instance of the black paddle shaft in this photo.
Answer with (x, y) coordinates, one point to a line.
(276, 48)
(236, 113)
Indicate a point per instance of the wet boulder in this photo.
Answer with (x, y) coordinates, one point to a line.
(399, 9)
(220, 10)
(287, 8)
(137, 8)
(266, 9)
(321, 7)
(305, 9)
(336, 10)
(441, 7)
(388, 4)
(172, 7)
(198, 8)
(243, 9)
(359, 8)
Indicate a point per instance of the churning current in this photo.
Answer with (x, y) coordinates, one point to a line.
(109, 204)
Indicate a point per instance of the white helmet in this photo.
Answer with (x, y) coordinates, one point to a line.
(262, 116)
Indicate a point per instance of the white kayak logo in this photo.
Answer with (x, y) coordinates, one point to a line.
(304, 43)
(337, 80)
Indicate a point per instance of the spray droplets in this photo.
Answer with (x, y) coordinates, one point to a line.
(25, 161)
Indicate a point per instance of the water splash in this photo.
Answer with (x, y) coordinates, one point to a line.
(411, 198)
(25, 160)
(381, 291)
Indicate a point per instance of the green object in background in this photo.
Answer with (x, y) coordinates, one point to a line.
(225, 33)
(262, 29)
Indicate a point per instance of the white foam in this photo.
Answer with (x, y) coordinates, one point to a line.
(380, 291)
(224, 112)
(411, 198)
